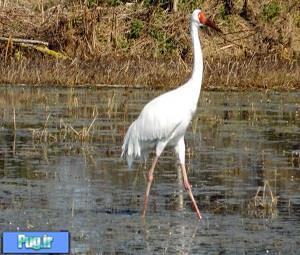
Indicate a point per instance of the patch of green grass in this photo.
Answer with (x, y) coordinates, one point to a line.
(136, 29)
(114, 2)
(164, 4)
(270, 11)
(222, 13)
(91, 3)
(157, 33)
(165, 44)
(188, 5)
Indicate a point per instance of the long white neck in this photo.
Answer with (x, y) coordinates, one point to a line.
(196, 78)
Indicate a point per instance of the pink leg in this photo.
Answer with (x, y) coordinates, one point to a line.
(188, 188)
(149, 182)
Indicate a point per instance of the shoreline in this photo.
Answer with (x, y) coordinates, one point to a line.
(147, 87)
(219, 75)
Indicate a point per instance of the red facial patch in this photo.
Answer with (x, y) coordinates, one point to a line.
(202, 18)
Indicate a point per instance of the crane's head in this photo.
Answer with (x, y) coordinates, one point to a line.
(199, 18)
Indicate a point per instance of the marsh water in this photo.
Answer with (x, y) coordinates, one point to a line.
(60, 169)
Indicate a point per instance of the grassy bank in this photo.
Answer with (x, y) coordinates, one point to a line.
(146, 44)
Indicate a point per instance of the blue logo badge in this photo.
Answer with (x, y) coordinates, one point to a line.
(35, 242)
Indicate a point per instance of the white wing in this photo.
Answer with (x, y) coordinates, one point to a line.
(161, 116)
(157, 122)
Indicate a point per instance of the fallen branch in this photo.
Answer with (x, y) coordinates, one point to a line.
(26, 41)
(52, 53)
(35, 44)
(45, 50)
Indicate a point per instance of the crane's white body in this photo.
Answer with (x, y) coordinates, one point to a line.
(164, 120)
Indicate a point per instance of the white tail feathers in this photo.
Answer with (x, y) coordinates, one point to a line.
(131, 147)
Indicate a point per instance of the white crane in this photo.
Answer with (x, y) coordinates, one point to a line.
(164, 120)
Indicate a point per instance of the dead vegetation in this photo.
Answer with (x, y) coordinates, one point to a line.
(65, 132)
(137, 44)
(264, 203)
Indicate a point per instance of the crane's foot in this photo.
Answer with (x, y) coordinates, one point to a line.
(194, 204)
(188, 188)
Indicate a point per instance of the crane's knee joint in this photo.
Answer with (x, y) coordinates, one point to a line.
(187, 186)
(150, 177)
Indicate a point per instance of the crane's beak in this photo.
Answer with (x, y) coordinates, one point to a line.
(210, 23)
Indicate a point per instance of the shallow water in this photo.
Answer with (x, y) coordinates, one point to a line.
(53, 177)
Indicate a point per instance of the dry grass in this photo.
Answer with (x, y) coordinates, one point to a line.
(136, 45)
(256, 73)
(63, 133)
(264, 203)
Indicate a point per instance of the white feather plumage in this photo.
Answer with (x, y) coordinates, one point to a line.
(164, 120)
